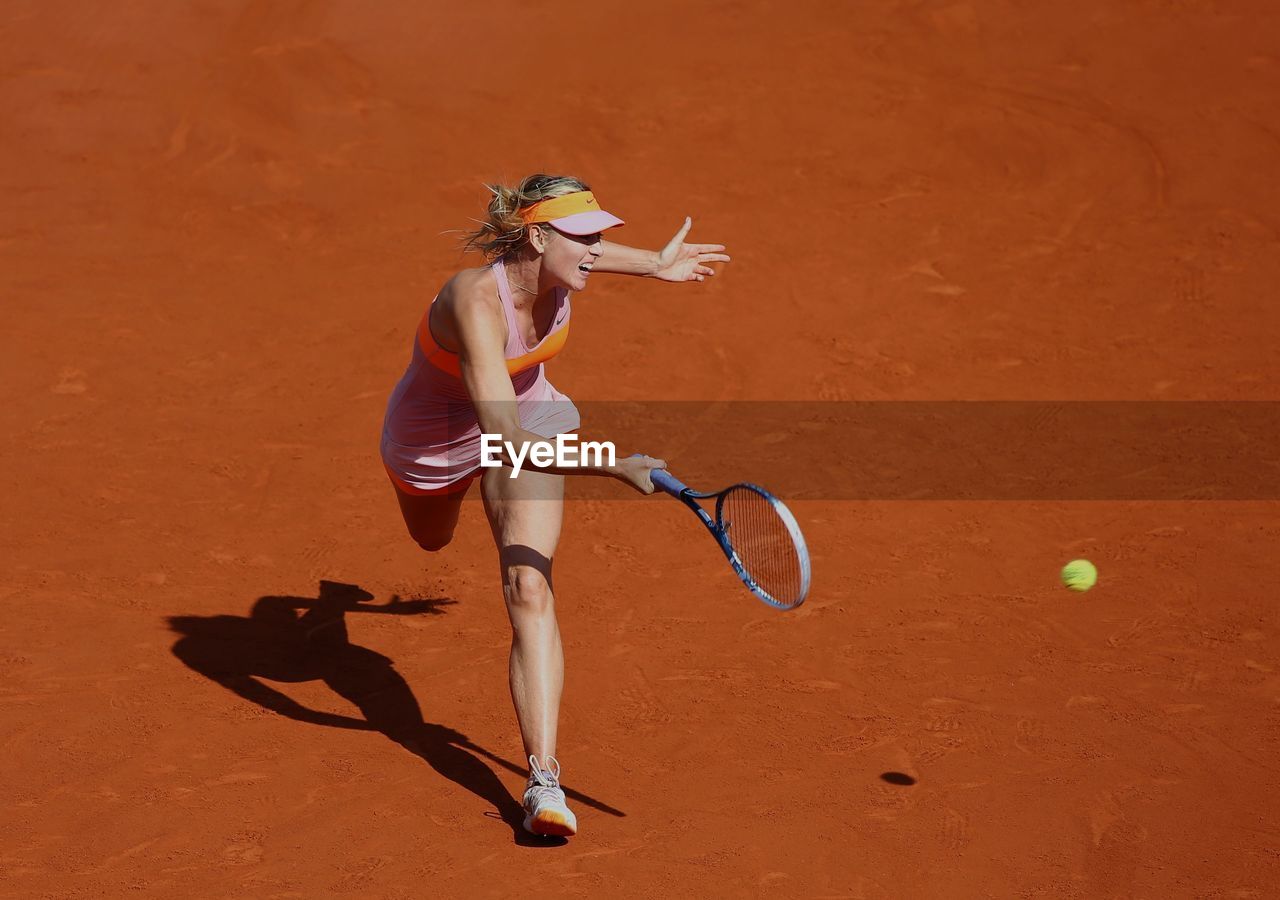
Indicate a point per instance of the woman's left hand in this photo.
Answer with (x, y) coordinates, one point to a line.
(679, 261)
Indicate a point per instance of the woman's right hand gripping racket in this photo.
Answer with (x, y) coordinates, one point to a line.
(757, 533)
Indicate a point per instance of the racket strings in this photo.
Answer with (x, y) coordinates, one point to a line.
(763, 544)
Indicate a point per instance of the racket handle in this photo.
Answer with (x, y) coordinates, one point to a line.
(665, 481)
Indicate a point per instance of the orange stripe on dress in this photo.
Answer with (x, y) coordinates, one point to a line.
(447, 361)
(435, 354)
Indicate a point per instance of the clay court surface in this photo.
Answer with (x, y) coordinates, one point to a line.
(220, 225)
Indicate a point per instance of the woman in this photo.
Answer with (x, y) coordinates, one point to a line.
(477, 368)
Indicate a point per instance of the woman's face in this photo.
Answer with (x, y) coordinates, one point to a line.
(568, 258)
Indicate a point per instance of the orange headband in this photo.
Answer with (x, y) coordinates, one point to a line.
(559, 207)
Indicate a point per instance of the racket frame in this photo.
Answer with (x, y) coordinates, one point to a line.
(669, 484)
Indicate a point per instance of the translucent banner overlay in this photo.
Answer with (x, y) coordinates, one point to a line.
(952, 450)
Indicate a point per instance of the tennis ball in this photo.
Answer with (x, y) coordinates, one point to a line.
(1079, 575)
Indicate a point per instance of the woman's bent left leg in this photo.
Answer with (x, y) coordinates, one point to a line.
(525, 514)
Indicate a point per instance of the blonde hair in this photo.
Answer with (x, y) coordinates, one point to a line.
(503, 231)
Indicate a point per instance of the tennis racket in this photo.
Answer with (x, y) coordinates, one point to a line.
(757, 533)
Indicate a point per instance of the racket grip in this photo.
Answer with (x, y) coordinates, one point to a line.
(665, 481)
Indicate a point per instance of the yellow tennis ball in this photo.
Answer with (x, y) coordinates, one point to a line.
(1079, 575)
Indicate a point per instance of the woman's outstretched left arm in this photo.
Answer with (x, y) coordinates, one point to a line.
(677, 261)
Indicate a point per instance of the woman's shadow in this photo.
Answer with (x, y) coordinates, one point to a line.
(275, 643)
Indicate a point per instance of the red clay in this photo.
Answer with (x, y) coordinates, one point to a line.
(219, 225)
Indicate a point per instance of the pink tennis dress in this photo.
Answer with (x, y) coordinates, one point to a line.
(431, 436)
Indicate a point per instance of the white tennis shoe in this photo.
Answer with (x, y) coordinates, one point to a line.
(544, 805)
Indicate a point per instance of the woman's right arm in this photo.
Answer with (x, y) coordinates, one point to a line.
(481, 332)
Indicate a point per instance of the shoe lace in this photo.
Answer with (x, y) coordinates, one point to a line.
(544, 779)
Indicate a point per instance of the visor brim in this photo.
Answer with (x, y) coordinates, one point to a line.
(592, 222)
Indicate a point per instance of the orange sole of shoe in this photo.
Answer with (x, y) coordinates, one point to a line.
(551, 825)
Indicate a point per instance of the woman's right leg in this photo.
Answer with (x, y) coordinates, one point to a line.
(525, 514)
(431, 518)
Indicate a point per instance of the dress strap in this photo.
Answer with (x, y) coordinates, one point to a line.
(514, 344)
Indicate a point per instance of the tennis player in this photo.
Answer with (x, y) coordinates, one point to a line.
(477, 367)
